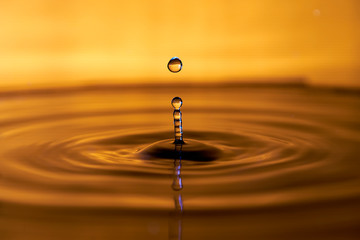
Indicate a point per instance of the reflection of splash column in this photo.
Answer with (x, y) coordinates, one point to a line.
(176, 217)
(175, 228)
(177, 183)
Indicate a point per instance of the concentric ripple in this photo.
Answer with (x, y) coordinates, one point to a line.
(246, 148)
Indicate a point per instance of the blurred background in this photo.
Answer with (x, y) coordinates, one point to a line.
(73, 42)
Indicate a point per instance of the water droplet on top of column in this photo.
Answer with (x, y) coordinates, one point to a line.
(176, 102)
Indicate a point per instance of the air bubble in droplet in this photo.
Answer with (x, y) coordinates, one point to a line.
(175, 65)
(176, 102)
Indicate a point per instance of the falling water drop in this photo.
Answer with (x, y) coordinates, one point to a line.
(175, 65)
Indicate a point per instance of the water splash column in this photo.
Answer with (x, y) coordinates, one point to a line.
(176, 102)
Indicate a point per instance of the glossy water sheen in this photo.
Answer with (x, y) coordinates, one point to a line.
(258, 163)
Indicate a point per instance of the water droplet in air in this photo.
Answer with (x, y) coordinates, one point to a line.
(176, 102)
(175, 65)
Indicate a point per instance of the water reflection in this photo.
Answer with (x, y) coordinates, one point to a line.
(177, 182)
(175, 222)
(282, 160)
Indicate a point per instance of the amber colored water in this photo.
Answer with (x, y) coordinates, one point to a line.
(260, 162)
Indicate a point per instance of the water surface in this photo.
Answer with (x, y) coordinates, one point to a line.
(272, 163)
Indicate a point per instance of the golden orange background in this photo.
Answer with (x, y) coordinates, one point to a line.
(81, 41)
